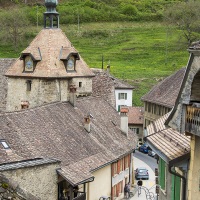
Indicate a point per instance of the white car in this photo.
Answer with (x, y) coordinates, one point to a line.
(151, 153)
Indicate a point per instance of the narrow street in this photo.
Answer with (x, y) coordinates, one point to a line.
(143, 160)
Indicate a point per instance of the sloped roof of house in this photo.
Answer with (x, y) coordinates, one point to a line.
(48, 48)
(166, 92)
(135, 115)
(4, 64)
(56, 131)
(169, 144)
(104, 85)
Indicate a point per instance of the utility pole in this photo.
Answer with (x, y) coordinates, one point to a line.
(78, 22)
(37, 16)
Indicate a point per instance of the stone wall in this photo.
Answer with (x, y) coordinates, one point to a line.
(39, 181)
(11, 190)
(4, 64)
(43, 91)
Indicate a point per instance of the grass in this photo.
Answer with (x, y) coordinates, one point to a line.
(140, 53)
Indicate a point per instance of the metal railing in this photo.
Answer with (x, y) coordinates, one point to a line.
(192, 124)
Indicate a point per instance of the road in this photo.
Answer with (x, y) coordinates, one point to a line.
(150, 161)
(143, 160)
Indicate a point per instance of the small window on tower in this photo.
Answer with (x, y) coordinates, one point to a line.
(80, 84)
(28, 85)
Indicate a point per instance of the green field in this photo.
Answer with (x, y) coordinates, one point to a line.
(141, 53)
(138, 52)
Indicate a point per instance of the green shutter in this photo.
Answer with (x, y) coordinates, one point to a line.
(119, 108)
(172, 188)
(175, 188)
(162, 174)
(177, 184)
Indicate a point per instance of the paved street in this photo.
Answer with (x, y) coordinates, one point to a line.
(150, 164)
(149, 184)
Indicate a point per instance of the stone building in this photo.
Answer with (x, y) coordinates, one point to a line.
(47, 69)
(4, 64)
(57, 140)
(161, 98)
(117, 92)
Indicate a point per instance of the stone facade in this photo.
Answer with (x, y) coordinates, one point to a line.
(43, 91)
(29, 179)
(4, 64)
(10, 190)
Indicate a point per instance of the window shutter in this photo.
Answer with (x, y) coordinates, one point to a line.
(118, 95)
(162, 173)
(126, 96)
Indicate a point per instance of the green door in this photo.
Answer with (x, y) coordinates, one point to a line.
(175, 188)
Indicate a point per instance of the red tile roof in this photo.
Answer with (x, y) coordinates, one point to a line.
(52, 44)
(135, 115)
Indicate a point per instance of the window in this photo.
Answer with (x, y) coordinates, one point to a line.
(5, 145)
(122, 96)
(80, 84)
(135, 130)
(28, 85)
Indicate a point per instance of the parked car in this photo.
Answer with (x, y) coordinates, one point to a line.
(141, 173)
(144, 148)
(151, 153)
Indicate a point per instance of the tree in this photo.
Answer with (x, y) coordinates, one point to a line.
(186, 16)
(13, 23)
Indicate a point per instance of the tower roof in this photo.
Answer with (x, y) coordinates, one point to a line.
(49, 48)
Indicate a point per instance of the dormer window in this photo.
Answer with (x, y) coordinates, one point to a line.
(71, 63)
(28, 64)
(30, 60)
(69, 58)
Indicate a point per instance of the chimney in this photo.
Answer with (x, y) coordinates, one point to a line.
(72, 95)
(87, 123)
(124, 120)
(24, 104)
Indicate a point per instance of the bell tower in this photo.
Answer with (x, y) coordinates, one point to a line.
(51, 16)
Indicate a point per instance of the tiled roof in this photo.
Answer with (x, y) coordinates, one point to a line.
(52, 44)
(27, 163)
(135, 115)
(4, 64)
(166, 92)
(56, 131)
(104, 85)
(167, 141)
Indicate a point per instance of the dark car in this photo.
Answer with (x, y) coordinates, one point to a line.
(144, 148)
(141, 173)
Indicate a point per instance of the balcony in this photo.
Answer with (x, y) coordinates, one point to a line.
(192, 124)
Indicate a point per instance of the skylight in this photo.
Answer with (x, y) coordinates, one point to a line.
(5, 145)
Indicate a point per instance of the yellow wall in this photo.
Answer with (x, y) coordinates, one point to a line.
(101, 184)
(194, 169)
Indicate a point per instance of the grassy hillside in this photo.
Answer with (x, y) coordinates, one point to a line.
(141, 53)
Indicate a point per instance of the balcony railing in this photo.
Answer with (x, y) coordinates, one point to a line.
(192, 124)
(82, 196)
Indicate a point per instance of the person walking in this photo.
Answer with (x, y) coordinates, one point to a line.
(126, 191)
(139, 183)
